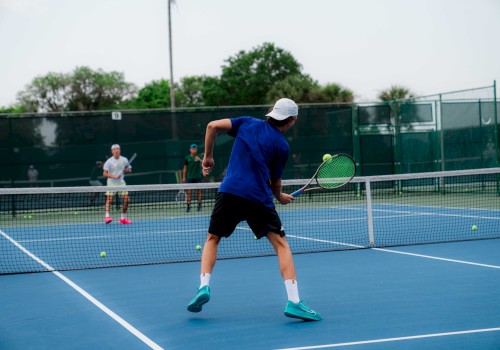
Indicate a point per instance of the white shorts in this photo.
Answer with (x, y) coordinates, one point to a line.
(120, 193)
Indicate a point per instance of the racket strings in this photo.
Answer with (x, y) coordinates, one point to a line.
(336, 172)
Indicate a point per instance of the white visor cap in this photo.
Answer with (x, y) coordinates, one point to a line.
(284, 108)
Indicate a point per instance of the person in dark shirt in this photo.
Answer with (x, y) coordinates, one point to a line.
(191, 173)
(253, 177)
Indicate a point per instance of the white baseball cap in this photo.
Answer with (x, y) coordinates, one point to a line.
(115, 146)
(284, 108)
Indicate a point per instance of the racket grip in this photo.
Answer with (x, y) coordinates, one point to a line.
(297, 193)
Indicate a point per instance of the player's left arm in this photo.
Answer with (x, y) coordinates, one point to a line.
(281, 197)
(213, 129)
(276, 172)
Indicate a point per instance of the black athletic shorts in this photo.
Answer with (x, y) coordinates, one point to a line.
(230, 210)
(193, 181)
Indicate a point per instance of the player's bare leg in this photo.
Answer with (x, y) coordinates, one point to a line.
(209, 255)
(199, 199)
(208, 259)
(294, 308)
(109, 201)
(126, 202)
(188, 200)
(285, 259)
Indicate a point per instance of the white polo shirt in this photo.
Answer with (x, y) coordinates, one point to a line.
(115, 167)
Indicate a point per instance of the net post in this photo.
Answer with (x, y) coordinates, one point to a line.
(356, 152)
(496, 132)
(495, 109)
(369, 212)
(441, 142)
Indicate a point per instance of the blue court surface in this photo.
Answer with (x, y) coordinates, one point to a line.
(427, 296)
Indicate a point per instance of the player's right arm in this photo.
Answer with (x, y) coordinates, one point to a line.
(213, 129)
(108, 175)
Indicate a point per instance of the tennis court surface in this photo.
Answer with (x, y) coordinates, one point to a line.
(391, 262)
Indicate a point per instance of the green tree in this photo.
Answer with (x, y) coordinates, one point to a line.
(303, 89)
(48, 93)
(299, 87)
(156, 94)
(395, 92)
(94, 90)
(336, 93)
(15, 108)
(247, 76)
(192, 90)
(213, 92)
(83, 89)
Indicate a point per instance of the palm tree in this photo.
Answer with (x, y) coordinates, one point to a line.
(395, 92)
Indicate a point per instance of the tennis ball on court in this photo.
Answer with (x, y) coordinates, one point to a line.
(326, 157)
(25, 216)
(198, 247)
(76, 213)
(30, 217)
(103, 254)
(474, 227)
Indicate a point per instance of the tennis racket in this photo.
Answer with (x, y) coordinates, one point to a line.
(129, 162)
(332, 173)
(180, 197)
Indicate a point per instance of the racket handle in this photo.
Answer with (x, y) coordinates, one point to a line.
(297, 193)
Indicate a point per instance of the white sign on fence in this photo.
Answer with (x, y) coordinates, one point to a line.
(116, 115)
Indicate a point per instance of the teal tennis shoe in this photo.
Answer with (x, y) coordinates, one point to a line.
(201, 298)
(301, 311)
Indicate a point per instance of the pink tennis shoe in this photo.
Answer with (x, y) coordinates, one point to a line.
(125, 221)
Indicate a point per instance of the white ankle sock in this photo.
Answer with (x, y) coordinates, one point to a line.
(292, 290)
(204, 279)
(123, 216)
(107, 214)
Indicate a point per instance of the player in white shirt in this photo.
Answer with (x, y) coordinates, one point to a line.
(115, 169)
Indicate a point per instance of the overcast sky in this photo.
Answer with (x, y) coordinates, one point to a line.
(367, 45)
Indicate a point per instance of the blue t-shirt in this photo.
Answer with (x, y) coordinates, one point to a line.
(259, 154)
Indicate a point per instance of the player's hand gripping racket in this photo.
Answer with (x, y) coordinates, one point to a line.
(332, 173)
(129, 163)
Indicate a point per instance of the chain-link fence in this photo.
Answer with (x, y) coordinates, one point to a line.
(449, 131)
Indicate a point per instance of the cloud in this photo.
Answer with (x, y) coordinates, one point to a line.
(26, 6)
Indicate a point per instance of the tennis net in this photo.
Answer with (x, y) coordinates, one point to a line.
(45, 229)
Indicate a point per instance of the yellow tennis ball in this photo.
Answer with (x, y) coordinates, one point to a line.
(103, 254)
(326, 157)
(474, 227)
(198, 247)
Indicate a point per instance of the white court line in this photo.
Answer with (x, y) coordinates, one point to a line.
(89, 297)
(107, 236)
(417, 213)
(398, 252)
(353, 219)
(436, 258)
(312, 239)
(434, 207)
(325, 241)
(386, 340)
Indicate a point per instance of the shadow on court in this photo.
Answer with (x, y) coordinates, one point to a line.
(369, 299)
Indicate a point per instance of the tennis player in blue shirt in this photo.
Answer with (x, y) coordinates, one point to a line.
(253, 177)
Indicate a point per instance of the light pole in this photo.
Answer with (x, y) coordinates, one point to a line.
(172, 93)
